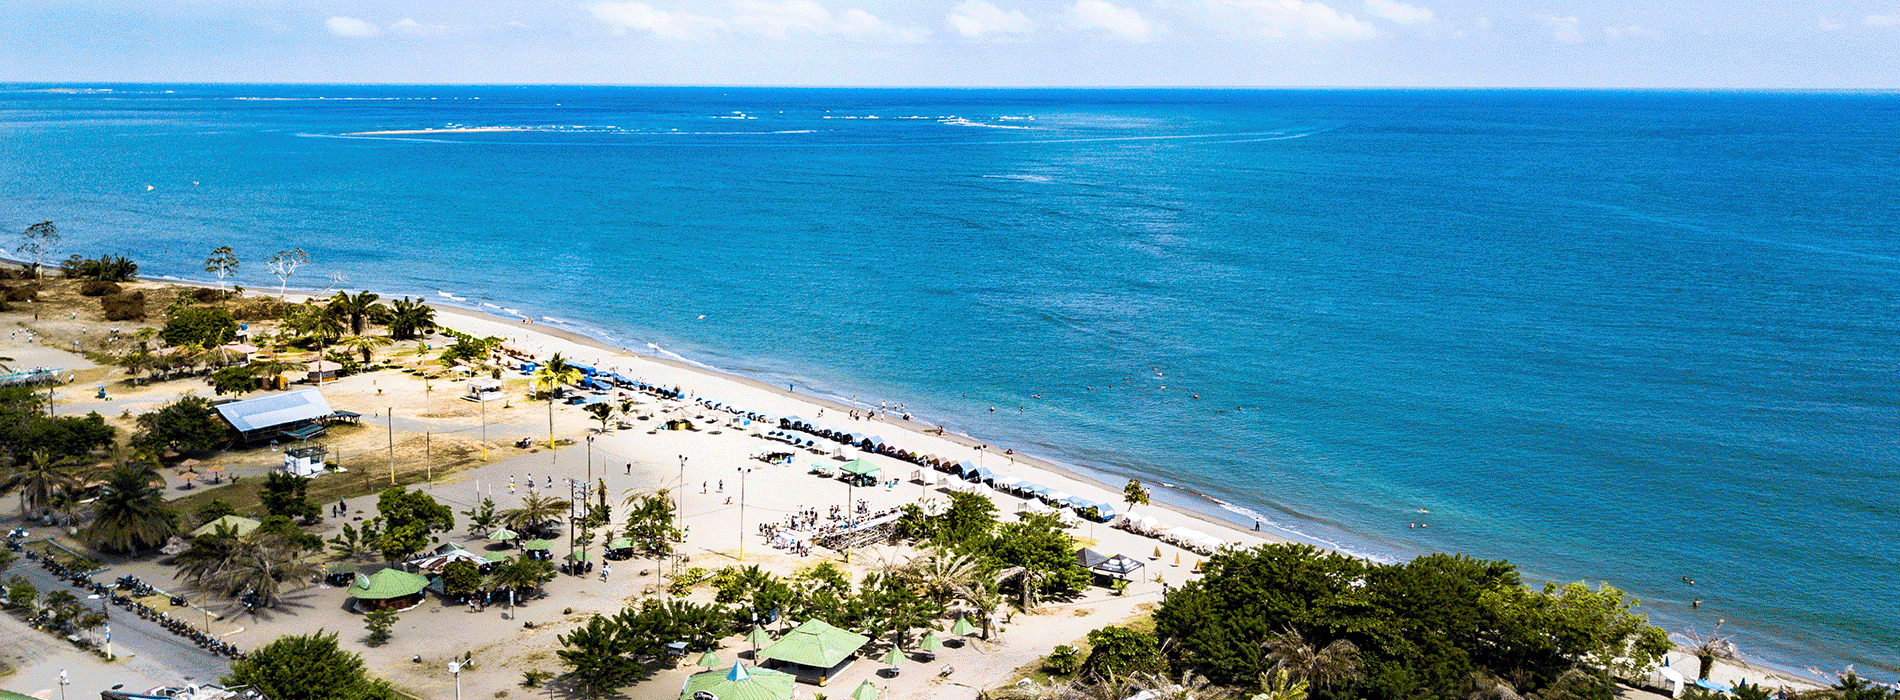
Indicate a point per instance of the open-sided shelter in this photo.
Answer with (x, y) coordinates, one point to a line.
(292, 415)
(738, 683)
(815, 652)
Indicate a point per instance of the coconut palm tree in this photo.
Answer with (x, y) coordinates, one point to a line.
(548, 380)
(260, 563)
(943, 575)
(130, 512)
(1319, 667)
(364, 345)
(1030, 579)
(407, 319)
(356, 309)
(1707, 648)
(984, 602)
(520, 573)
(41, 479)
(533, 515)
(1160, 686)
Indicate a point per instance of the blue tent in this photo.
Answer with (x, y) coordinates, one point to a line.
(981, 473)
(965, 467)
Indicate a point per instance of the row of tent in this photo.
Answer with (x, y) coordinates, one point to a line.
(1184, 537)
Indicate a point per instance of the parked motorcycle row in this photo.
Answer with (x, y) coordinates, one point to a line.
(124, 593)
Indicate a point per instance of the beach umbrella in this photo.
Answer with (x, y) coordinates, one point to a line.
(1157, 554)
(962, 628)
(710, 660)
(1177, 558)
(621, 543)
(759, 637)
(577, 556)
(930, 642)
(865, 691)
(502, 535)
(537, 544)
(893, 658)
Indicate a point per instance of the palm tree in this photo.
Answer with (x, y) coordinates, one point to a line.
(984, 601)
(356, 309)
(521, 573)
(943, 575)
(130, 513)
(548, 380)
(535, 511)
(1319, 667)
(41, 479)
(364, 344)
(1708, 648)
(1159, 686)
(260, 563)
(1029, 578)
(409, 318)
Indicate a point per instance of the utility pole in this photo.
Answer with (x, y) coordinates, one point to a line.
(484, 403)
(743, 473)
(391, 421)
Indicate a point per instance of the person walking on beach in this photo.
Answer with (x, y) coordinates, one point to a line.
(606, 570)
(629, 467)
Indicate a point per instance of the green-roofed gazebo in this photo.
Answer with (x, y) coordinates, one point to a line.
(815, 651)
(236, 523)
(388, 589)
(10, 695)
(740, 683)
(534, 545)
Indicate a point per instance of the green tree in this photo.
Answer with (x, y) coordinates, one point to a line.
(598, 659)
(1134, 494)
(38, 242)
(409, 517)
(1116, 652)
(357, 309)
(189, 424)
(41, 478)
(192, 325)
(261, 563)
(602, 413)
(217, 508)
(408, 319)
(307, 667)
(222, 263)
(286, 494)
(130, 513)
(970, 518)
(548, 381)
(379, 623)
(650, 522)
(482, 518)
(21, 594)
(461, 577)
(534, 514)
(1220, 622)
(521, 574)
(364, 345)
(1038, 557)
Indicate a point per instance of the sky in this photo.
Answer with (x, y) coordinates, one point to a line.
(1765, 44)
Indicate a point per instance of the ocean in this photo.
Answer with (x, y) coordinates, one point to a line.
(1609, 336)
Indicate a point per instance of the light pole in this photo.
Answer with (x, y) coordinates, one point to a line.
(484, 403)
(743, 473)
(455, 667)
(105, 606)
(679, 511)
(590, 459)
(390, 415)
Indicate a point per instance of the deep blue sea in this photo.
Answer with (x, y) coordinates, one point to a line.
(1623, 336)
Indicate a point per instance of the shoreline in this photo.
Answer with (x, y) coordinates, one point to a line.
(707, 378)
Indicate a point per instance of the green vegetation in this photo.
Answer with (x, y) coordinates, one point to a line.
(129, 513)
(308, 667)
(189, 326)
(409, 518)
(26, 429)
(610, 652)
(287, 495)
(189, 424)
(379, 623)
(106, 268)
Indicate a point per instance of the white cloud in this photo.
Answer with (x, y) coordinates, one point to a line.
(1828, 25)
(1631, 31)
(1297, 18)
(1122, 22)
(785, 18)
(410, 27)
(351, 27)
(1563, 29)
(1398, 11)
(668, 25)
(1881, 20)
(975, 18)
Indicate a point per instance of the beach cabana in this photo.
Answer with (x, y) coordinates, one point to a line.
(322, 371)
(389, 589)
(964, 467)
(815, 652)
(483, 389)
(238, 524)
(739, 683)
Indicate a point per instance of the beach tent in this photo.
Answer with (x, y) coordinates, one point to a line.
(861, 470)
(816, 649)
(1669, 679)
(237, 523)
(1089, 558)
(739, 683)
(965, 467)
(1058, 497)
(1005, 482)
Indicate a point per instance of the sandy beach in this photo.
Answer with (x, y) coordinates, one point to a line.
(726, 492)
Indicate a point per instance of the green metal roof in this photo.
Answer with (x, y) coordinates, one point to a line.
(860, 468)
(386, 584)
(241, 524)
(741, 683)
(815, 643)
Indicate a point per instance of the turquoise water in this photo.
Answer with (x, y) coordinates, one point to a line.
(1631, 336)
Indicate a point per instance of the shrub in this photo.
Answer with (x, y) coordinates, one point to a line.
(99, 288)
(128, 306)
(107, 268)
(25, 292)
(206, 327)
(1064, 661)
(260, 309)
(207, 295)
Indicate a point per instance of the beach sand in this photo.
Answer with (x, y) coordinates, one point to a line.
(721, 521)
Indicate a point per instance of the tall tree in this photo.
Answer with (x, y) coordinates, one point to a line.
(597, 657)
(307, 667)
(286, 494)
(357, 309)
(533, 515)
(548, 380)
(39, 242)
(261, 563)
(189, 424)
(408, 319)
(364, 345)
(409, 517)
(130, 512)
(222, 263)
(284, 264)
(1134, 494)
(41, 478)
